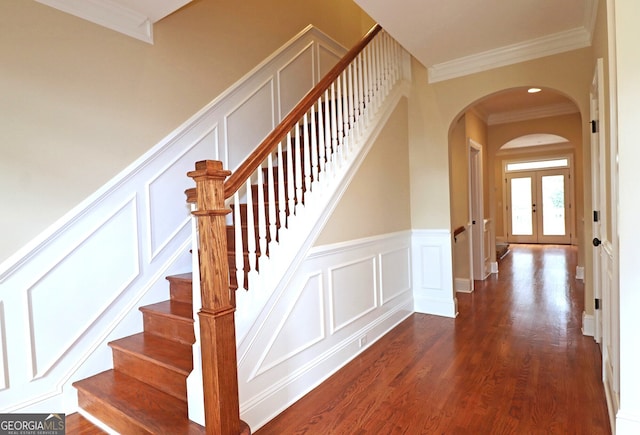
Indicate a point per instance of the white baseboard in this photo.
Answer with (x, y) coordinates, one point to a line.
(494, 267)
(444, 308)
(580, 272)
(588, 324)
(463, 285)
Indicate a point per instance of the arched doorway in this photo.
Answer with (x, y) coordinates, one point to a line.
(507, 126)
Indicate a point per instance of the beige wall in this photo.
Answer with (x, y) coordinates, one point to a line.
(377, 200)
(81, 102)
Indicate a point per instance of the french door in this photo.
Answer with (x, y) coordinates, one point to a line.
(538, 206)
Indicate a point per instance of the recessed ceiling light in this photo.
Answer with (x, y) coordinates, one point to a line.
(533, 90)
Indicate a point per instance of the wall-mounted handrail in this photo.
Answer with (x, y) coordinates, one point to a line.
(458, 231)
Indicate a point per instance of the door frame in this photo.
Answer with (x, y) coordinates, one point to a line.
(476, 212)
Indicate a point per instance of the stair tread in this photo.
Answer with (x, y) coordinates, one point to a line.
(168, 353)
(171, 308)
(187, 276)
(154, 410)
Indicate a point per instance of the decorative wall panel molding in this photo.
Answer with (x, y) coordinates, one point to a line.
(353, 292)
(78, 284)
(290, 353)
(433, 273)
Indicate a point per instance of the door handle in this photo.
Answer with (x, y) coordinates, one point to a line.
(596, 241)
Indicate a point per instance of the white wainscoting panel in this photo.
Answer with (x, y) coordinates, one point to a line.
(295, 347)
(352, 292)
(54, 321)
(79, 284)
(250, 122)
(433, 273)
(392, 282)
(300, 74)
(166, 190)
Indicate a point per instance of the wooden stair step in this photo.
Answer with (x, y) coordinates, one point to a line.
(181, 287)
(130, 406)
(78, 425)
(157, 361)
(169, 319)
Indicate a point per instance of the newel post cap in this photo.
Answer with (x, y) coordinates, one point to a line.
(209, 169)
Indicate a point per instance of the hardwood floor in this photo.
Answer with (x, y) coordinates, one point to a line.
(513, 362)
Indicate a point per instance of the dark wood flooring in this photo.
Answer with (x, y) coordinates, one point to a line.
(514, 361)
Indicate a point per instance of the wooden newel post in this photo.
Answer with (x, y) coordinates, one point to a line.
(217, 325)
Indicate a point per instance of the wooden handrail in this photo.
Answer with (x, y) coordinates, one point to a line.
(255, 159)
(217, 323)
(458, 231)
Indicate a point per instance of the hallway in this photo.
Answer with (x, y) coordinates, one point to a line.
(514, 361)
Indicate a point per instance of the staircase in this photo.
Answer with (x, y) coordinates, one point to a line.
(146, 391)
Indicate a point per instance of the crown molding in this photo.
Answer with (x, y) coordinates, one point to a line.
(511, 54)
(108, 14)
(532, 113)
(118, 15)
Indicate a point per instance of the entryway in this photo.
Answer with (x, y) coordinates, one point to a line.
(539, 202)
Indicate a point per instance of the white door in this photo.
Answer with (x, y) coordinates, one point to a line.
(538, 206)
(605, 288)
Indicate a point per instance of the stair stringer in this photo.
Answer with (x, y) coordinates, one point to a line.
(253, 306)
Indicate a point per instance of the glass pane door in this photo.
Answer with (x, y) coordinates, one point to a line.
(554, 211)
(553, 216)
(521, 193)
(537, 208)
(521, 209)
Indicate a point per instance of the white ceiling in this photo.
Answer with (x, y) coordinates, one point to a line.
(457, 37)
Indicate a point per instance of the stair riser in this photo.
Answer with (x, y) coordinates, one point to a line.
(181, 291)
(168, 327)
(162, 378)
(110, 416)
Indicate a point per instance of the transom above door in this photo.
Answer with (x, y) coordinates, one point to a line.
(538, 203)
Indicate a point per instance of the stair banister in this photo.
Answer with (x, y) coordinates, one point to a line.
(342, 97)
(259, 155)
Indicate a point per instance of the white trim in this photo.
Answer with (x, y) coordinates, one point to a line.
(511, 54)
(494, 267)
(588, 324)
(532, 113)
(580, 272)
(108, 14)
(463, 285)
